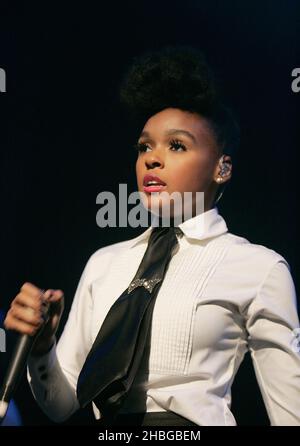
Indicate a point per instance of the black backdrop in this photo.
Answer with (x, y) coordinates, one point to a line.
(63, 139)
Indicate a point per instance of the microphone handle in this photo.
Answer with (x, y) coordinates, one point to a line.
(15, 370)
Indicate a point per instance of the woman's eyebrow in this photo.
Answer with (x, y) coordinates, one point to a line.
(144, 133)
(184, 132)
(172, 132)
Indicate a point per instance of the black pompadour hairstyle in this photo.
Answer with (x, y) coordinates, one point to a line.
(178, 77)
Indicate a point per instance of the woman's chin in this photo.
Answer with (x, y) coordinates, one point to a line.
(174, 206)
(157, 205)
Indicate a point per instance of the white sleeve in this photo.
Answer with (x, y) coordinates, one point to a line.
(273, 324)
(53, 377)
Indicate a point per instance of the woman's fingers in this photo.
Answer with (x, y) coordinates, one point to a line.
(28, 301)
(22, 327)
(23, 320)
(30, 308)
(27, 314)
(56, 295)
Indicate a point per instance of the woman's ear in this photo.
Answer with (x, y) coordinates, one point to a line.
(223, 169)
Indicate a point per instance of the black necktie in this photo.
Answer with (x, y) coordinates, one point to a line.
(113, 360)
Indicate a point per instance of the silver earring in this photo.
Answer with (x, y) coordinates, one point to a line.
(224, 167)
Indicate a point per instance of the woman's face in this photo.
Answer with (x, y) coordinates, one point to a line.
(179, 148)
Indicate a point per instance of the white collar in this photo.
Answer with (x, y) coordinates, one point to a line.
(209, 224)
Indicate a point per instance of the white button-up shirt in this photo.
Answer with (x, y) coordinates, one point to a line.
(221, 295)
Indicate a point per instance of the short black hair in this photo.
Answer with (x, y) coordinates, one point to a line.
(178, 77)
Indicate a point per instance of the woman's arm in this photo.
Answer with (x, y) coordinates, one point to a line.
(53, 376)
(271, 321)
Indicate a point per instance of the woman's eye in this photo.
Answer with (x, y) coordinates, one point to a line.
(177, 145)
(141, 147)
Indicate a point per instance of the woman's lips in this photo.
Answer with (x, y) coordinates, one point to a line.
(154, 188)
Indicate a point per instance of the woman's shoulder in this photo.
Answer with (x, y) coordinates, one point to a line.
(100, 262)
(112, 251)
(245, 250)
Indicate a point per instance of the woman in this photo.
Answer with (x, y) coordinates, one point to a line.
(220, 296)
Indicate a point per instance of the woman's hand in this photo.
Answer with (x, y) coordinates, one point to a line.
(31, 309)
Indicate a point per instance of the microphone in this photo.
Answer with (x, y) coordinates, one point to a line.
(15, 370)
(16, 367)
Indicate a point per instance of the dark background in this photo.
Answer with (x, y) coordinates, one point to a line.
(63, 139)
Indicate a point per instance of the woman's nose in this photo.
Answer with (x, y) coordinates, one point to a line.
(153, 160)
